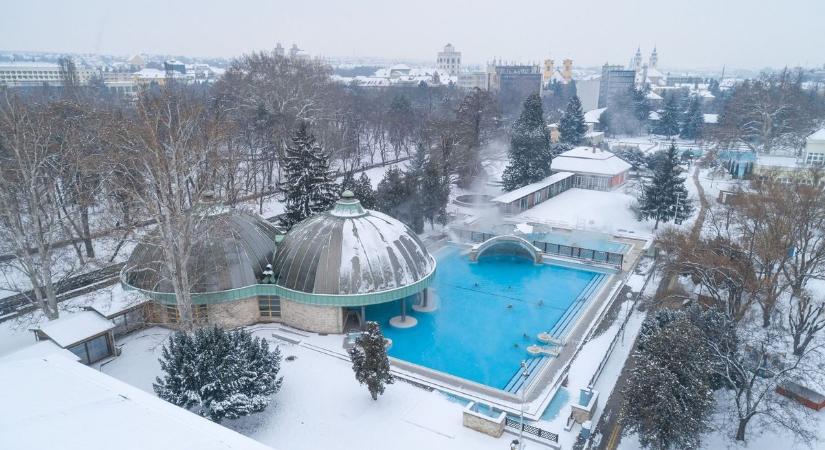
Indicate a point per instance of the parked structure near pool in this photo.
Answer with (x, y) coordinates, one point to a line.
(325, 270)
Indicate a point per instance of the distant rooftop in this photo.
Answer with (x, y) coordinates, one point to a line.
(590, 160)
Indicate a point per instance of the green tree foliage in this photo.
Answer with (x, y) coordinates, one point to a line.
(362, 188)
(668, 398)
(218, 374)
(694, 120)
(308, 185)
(670, 118)
(571, 126)
(530, 152)
(665, 199)
(370, 362)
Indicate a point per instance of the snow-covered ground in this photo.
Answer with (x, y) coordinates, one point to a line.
(321, 406)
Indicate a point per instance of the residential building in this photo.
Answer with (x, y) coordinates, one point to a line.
(815, 148)
(449, 60)
(32, 74)
(174, 66)
(615, 80)
(473, 80)
(593, 168)
(513, 83)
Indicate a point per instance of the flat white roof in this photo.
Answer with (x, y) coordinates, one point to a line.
(509, 197)
(777, 161)
(74, 328)
(586, 160)
(53, 402)
(41, 349)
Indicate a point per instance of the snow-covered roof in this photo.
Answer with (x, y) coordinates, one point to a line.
(516, 194)
(653, 96)
(69, 330)
(351, 251)
(38, 350)
(608, 212)
(113, 301)
(590, 160)
(653, 72)
(817, 136)
(592, 116)
(54, 402)
(653, 115)
(706, 94)
(711, 118)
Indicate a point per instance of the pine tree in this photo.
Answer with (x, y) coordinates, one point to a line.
(670, 118)
(641, 107)
(370, 362)
(694, 121)
(571, 126)
(362, 188)
(665, 199)
(308, 185)
(668, 397)
(435, 193)
(218, 374)
(530, 153)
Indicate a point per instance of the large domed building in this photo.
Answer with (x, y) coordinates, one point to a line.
(322, 275)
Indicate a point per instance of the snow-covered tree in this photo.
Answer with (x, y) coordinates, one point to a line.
(670, 118)
(632, 155)
(218, 374)
(370, 362)
(694, 120)
(666, 199)
(308, 185)
(571, 126)
(668, 398)
(435, 193)
(362, 188)
(530, 153)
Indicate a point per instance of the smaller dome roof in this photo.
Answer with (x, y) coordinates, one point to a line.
(231, 250)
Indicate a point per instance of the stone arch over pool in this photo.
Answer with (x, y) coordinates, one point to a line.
(507, 244)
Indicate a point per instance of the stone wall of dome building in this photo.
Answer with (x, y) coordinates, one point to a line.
(318, 319)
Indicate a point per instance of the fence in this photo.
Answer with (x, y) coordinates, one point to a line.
(530, 429)
(611, 258)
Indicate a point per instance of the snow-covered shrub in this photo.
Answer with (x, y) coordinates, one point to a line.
(218, 374)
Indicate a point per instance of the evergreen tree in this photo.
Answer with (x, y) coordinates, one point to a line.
(669, 119)
(397, 195)
(665, 199)
(640, 106)
(435, 193)
(308, 185)
(632, 155)
(571, 126)
(370, 362)
(362, 188)
(694, 120)
(668, 398)
(218, 374)
(530, 153)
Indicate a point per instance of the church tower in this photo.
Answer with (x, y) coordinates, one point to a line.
(637, 60)
(654, 58)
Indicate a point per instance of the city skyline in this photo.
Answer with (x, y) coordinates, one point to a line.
(723, 34)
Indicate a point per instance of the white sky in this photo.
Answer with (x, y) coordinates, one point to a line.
(688, 33)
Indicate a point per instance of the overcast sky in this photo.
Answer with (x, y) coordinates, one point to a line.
(688, 33)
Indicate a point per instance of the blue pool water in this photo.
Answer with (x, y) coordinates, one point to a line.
(488, 313)
(580, 239)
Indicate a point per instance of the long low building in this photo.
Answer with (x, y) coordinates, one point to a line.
(526, 197)
(593, 168)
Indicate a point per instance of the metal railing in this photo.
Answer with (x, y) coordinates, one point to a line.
(531, 429)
